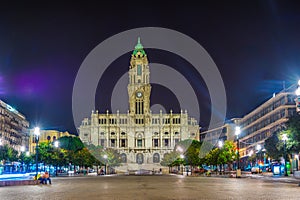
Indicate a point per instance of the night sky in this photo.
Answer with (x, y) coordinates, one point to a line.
(255, 44)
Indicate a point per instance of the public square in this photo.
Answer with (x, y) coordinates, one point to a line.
(154, 187)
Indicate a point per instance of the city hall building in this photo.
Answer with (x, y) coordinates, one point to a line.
(140, 136)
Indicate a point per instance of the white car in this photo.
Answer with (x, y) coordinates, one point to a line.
(256, 170)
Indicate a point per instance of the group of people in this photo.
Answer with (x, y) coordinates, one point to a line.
(44, 178)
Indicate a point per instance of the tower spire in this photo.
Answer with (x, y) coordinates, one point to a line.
(139, 49)
(139, 46)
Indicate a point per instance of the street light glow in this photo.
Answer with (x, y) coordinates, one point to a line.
(284, 137)
(37, 131)
(27, 153)
(182, 156)
(220, 143)
(22, 148)
(56, 143)
(105, 156)
(237, 130)
(258, 147)
(298, 91)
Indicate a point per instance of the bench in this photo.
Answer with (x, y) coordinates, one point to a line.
(18, 182)
(297, 175)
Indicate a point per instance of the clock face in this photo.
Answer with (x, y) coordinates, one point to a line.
(139, 94)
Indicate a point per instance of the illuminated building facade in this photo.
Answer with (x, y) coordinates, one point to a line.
(45, 136)
(140, 136)
(13, 127)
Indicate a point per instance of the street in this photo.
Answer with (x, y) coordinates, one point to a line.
(153, 187)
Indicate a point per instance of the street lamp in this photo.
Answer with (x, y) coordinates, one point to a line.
(22, 156)
(181, 167)
(105, 158)
(258, 148)
(237, 133)
(285, 138)
(56, 144)
(220, 143)
(37, 134)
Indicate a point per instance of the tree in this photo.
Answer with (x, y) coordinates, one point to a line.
(169, 158)
(271, 146)
(192, 155)
(8, 153)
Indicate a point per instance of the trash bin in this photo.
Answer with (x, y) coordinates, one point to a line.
(276, 170)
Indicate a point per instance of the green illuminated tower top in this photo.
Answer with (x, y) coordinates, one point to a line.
(139, 49)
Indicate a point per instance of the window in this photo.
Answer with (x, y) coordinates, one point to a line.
(166, 142)
(102, 142)
(112, 142)
(123, 143)
(123, 158)
(123, 133)
(176, 141)
(139, 70)
(139, 143)
(156, 158)
(155, 142)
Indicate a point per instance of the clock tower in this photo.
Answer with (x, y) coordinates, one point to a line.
(139, 87)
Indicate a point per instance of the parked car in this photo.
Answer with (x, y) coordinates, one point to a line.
(256, 170)
(200, 170)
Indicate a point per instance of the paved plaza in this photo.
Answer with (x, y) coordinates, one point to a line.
(153, 187)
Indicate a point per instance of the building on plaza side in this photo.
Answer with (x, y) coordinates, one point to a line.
(45, 136)
(263, 121)
(140, 136)
(13, 127)
(256, 126)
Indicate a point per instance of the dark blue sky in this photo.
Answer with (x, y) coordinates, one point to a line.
(255, 44)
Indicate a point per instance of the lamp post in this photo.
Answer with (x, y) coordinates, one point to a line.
(258, 148)
(56, 145)
(180, 149)
(105, 158)
(237, 133)
(37, 134)
(181, 164)
(285, 138)
(220, 145)
(22, 156)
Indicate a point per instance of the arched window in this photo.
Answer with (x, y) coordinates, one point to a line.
(113, 133)
(156, 158)
(176, 133)
(123, 158)
(48, 137)
(123, 133)
(139, 158)
(166, 133)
